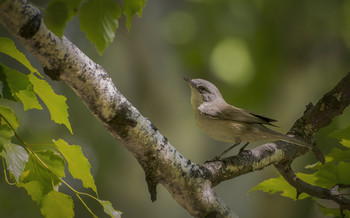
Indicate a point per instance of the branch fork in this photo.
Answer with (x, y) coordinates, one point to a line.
(190, 184)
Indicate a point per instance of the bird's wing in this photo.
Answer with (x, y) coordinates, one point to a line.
(228, 112)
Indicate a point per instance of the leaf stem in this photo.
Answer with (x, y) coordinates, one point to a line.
(83, 202)
(14, 131)
(5, 174)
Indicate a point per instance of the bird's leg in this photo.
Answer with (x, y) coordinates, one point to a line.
(242, 148)
(217, 157)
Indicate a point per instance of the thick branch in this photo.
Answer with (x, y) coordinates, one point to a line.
(249, 161)
(190, 184)
(161, 162)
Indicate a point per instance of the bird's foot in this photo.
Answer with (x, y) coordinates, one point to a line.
(241, 151)
(216, 158)
(243, 147)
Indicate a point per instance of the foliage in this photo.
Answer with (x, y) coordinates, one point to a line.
(334, 173)
(98, 18)
(132, 7)
(40, 172)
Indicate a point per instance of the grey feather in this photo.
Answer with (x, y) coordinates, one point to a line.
(224, 111)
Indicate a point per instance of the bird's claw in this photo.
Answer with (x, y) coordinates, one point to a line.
(216, 158)
(241, 151)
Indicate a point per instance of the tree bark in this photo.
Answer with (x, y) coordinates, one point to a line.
(190, 184)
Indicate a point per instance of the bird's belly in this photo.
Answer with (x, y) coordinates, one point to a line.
(221, 130)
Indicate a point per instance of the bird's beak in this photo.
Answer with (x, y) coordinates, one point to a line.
(189, 81)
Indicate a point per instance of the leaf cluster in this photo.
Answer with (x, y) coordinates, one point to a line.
(98, 18)
(333, 174)
(40, 172)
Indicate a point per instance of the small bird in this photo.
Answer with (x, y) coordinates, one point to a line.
(227, 123)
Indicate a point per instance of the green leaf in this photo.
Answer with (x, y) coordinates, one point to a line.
(324, 177)
(78, 165)
(337, 154)
(132, 7)
(6, 134)
(21, 88)
(57, 205)
(341, 134)
(345, 143)
(16, 158)
(279, 184)
(54, 161)
(343, 173)
(332, 212)
(5, 89)
(55, 103)
(34, 190)
(328, 175)
(35, 171)
(7, 46)
(58, 13)
(99, 20)
(9, 116)
(108, 208)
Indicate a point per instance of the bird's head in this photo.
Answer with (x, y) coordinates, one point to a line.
(202, 91)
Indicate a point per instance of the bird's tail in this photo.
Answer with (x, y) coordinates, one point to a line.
(293, 140)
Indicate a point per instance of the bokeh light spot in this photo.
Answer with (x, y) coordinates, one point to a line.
(231, 62)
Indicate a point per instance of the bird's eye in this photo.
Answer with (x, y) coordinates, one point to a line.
(202, 89)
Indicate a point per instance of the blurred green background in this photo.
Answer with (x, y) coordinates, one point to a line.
(270, 57)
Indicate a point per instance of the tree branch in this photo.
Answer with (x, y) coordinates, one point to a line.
(161, 162)
(281, 154)
(248, 161)
(315, 191)
(331, 105)
(190, 184)
(316, 117)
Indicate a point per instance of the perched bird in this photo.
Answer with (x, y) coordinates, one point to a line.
(227, 123)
